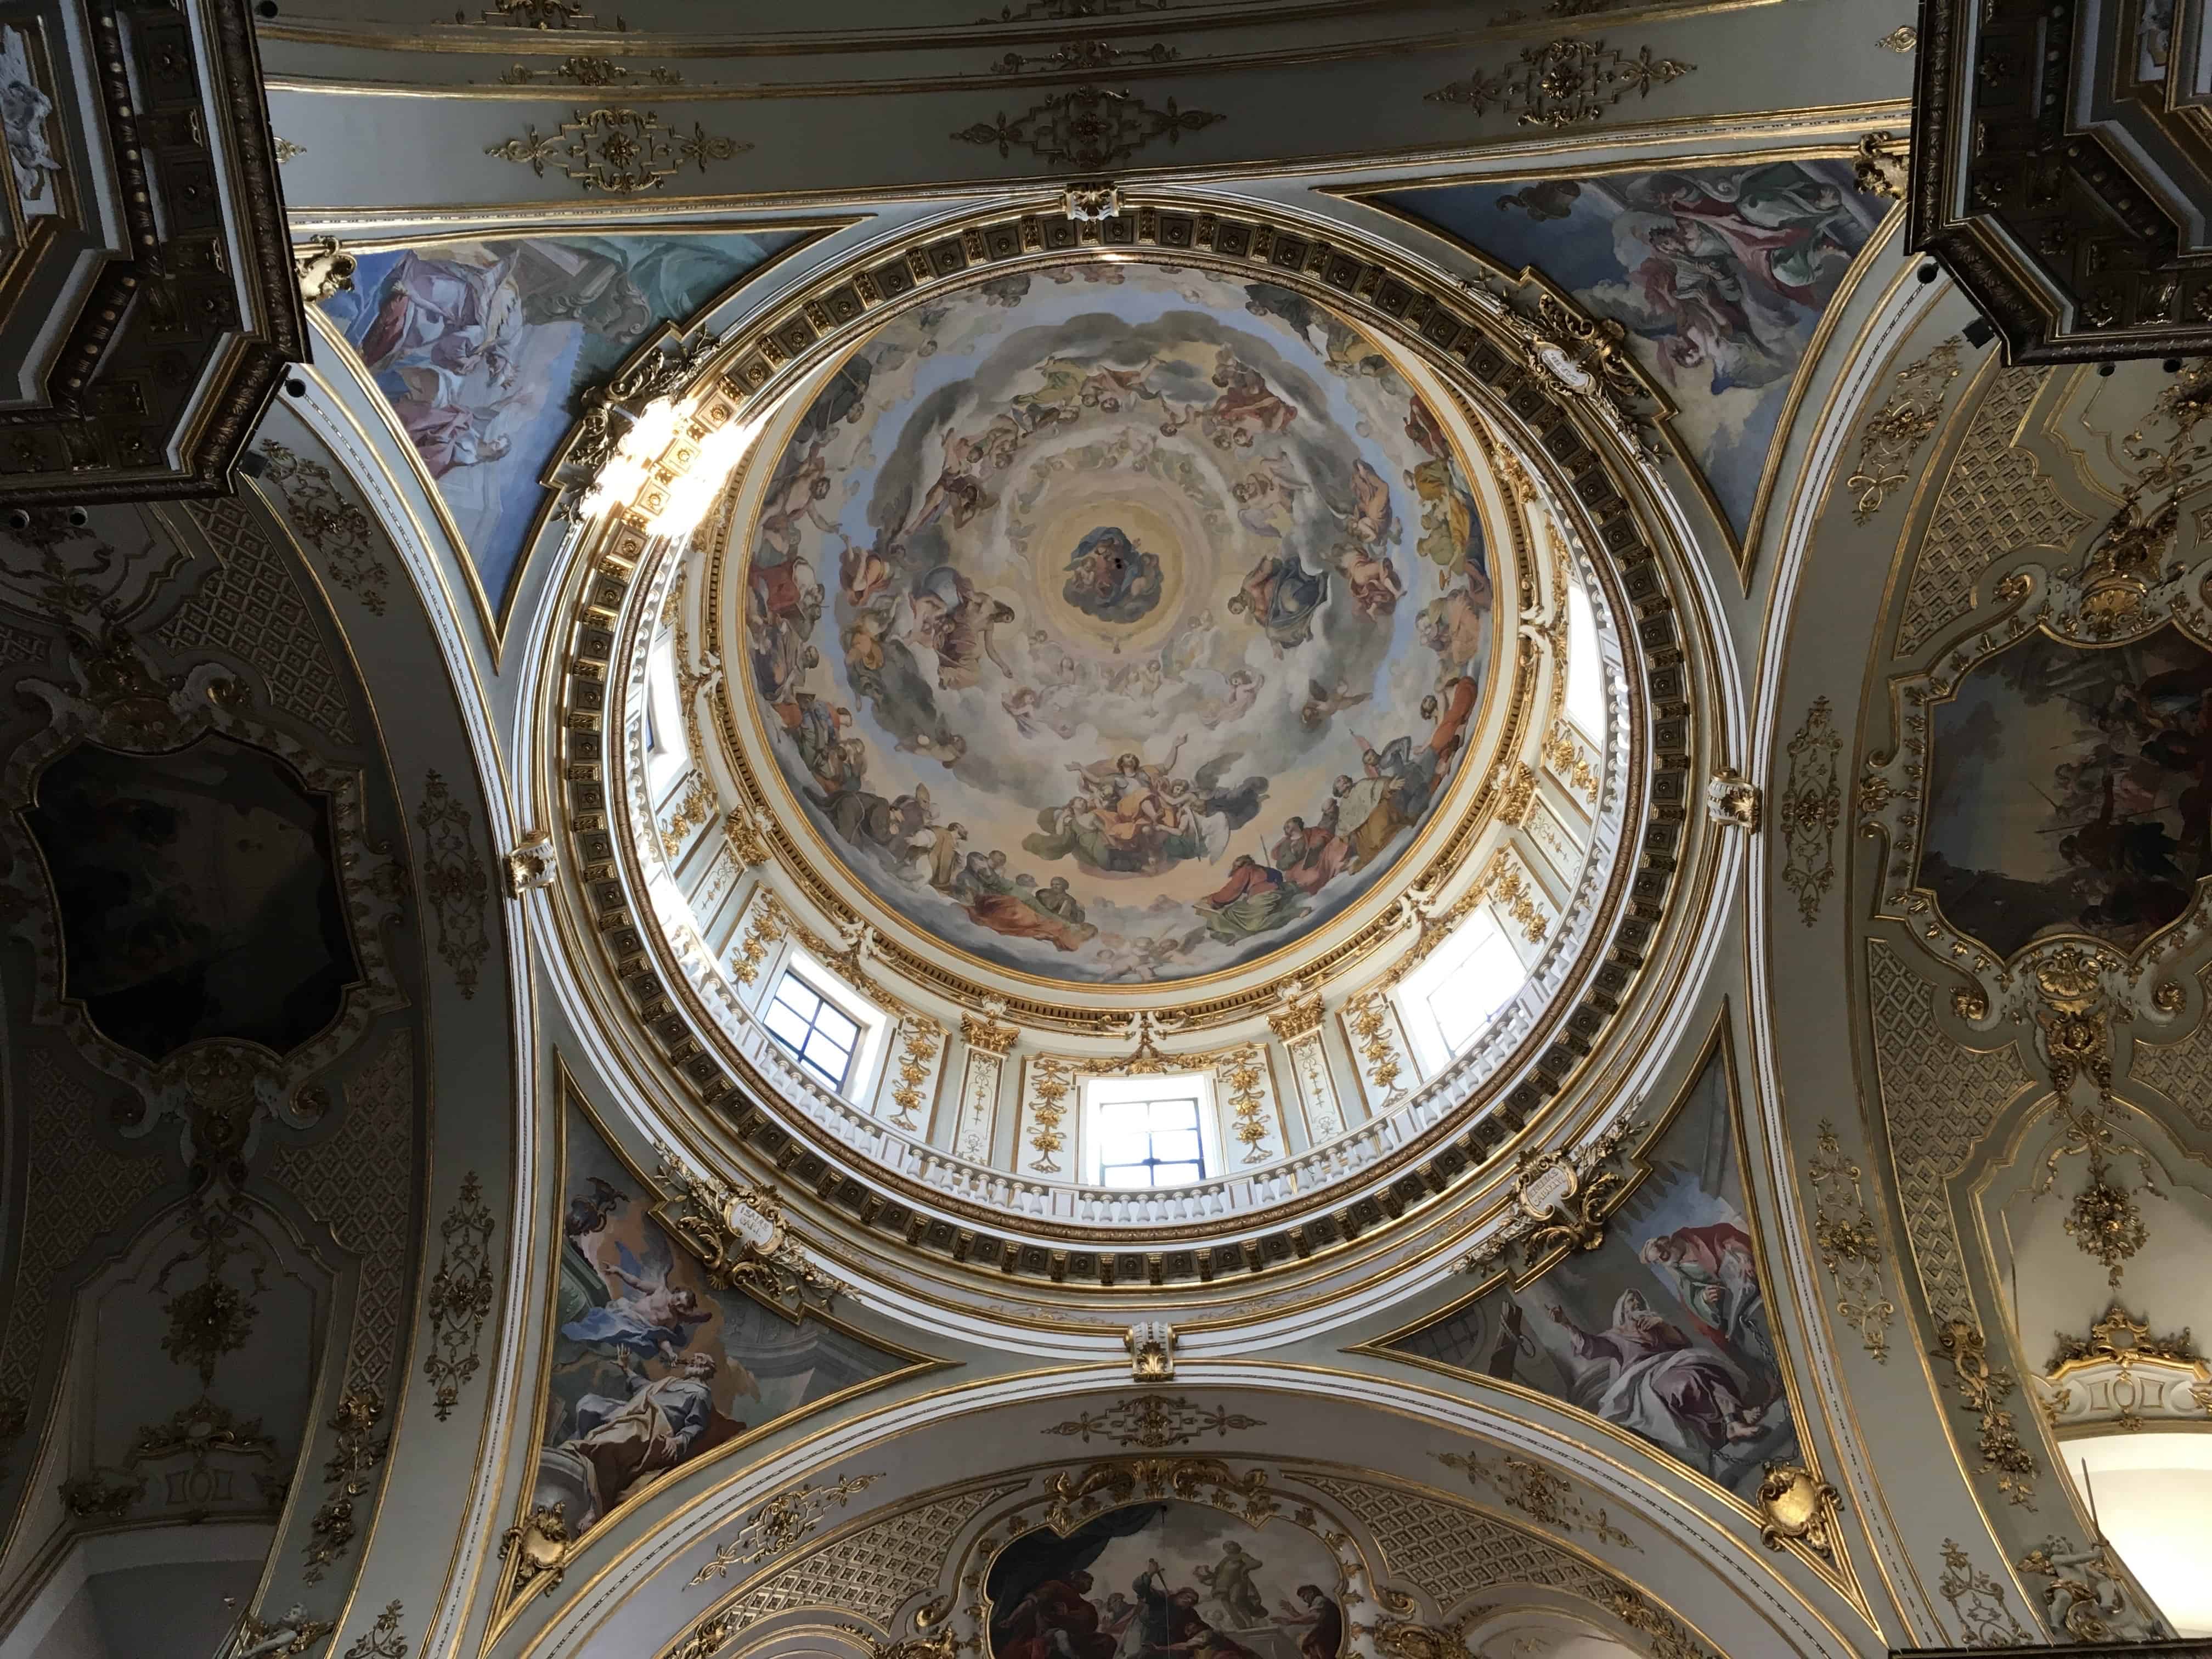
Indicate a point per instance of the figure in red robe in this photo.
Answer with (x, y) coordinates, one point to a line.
(1055, 1621)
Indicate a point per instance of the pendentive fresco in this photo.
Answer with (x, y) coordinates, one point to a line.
(482, 347)
(1121, 623)
(651, 1364)
(1719, 275)
(1663, 1328)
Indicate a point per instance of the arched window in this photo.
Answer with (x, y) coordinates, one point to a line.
(1450, 999)
(1585, 665)
(804, 1019)
(1150, 1131)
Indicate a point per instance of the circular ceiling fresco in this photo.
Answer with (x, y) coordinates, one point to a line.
(1120, 623)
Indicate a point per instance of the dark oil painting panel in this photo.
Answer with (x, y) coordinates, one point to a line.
(652, 1366)
(1165, 1580)
(2068, 791)
(196, 893)
(1663, 1328)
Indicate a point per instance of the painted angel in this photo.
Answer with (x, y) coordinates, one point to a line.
(644, 1315)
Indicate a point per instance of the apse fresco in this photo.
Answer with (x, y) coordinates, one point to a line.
(481, 348)
(1719, 274)
(1162, 1581)
(2071, 790)
(1663, 1328)
(1122, 622)
(652, 1366)
(197, 895)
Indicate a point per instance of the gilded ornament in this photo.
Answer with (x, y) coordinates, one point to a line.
(195, 1433)
(1152, 1344)
(785, 1520)
(2105, 1220)
(1812, 804)
(324, 269)
(1979, 1604)
(1732, 801)
(2169, 998)
(1903, 39)
(1880, 166)
(622, 151)
(1982, 1390)
(1300, 1013)
(1564, 754)
(1560, 1201)
(1516, 789)
(537, 14)
(1062, 10)
(987, 1034)
(1154, 1421)
(1541, 1493)
(381, 1640)
(335, 527)
(1370, 1019)
(763, 932)
(461, 1295)
(590, 72)
(539, 1547)
(1567, 83)
(1796, 1506)
(1195, 1479)
(920, 1040)
(1396, 1640)
(289, 151)
(352, 1462)
(1091, 56)
(1894, 433)
(739, 1235)
(2124, 562)
(1089, 128)
(530, 864)
(1050, 1085)
(707, 1637)
(2121, 1338)
(286, 1636)
(2086, 1597)
(454, 882)
(1587, 356)
(95, 1497)
(1240, 1076)
(1844, 1233)
(214, 1317)
(1092, 204)
(694, 807)
(747, 834)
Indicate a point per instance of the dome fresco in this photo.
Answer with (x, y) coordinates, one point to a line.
(1121, 623)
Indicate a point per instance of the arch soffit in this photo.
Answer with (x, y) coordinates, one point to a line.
(1634, 1524)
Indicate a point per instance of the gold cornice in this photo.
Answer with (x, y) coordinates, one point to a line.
(1814, 129)
(494, 41)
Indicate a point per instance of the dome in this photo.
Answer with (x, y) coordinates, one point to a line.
(1121, 740)
(1126, 622)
